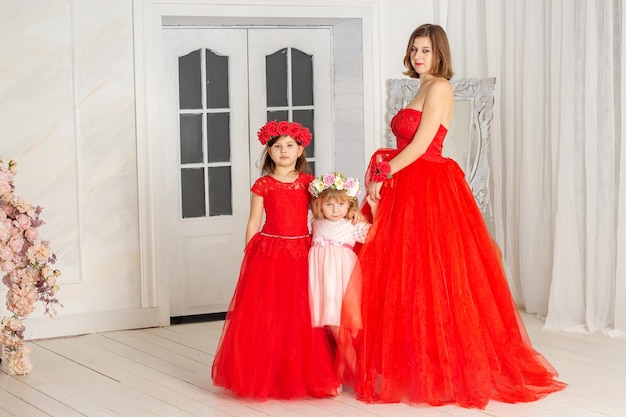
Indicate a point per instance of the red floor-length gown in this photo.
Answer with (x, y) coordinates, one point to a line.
(439, 324)
(268, 347)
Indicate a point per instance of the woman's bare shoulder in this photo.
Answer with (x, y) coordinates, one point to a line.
(441, 86)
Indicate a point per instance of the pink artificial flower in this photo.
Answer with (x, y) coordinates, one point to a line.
(329, 179)
(10, 279)
(5, 229)
(29, 276)
(23, 221)
(31, 234)
(7, 266)
(23, 207)
(16, 243)
(5, 188)
(9, 338)
(6, 254)
(13, 324)
(9, 210)
(19, 361)
(39, 253)
(20, 301)
(349, 183)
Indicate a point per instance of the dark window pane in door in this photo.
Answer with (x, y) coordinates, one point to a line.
(278, 115)
(305, 118)
(216, 80)
(301, 78)
(190, 138)
(218, 137)
(276, 78)
(220, 191)
(192, 186)
(190, 81)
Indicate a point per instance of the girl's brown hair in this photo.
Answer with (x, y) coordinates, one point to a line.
(332, 194)
(442, 58)
(268, 167)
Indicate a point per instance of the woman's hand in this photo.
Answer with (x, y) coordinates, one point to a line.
(373, 191)
(373, 205)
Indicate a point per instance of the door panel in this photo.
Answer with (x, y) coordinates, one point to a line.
(214, 82)
(206, 169)
(295, 93)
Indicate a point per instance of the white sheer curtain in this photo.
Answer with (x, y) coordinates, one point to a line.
(558, 167)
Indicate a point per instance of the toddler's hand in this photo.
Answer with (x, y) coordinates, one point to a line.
(357, 217)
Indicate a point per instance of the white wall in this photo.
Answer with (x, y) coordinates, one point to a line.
(67, 117)
(401, 18)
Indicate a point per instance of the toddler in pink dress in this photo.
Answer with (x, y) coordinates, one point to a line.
(332, 257)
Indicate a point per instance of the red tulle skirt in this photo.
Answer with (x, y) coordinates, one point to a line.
(436, 322)
(268, 347)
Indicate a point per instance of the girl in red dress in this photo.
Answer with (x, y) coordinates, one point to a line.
(439, 324)
(268, 347)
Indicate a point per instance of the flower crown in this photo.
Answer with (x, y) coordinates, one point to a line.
(336, 181)
(274, 128)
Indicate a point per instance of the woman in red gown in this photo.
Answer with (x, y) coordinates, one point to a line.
(438, 321)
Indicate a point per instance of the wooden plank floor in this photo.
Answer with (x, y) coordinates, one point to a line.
(166, 372)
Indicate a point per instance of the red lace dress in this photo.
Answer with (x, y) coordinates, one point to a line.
(268, 347)
(438, 321)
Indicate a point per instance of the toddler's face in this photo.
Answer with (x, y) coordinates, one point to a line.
(335, 210)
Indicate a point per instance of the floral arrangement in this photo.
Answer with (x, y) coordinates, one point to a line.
(381, 171)
(274, 128)
(336, 181)
(25, 261)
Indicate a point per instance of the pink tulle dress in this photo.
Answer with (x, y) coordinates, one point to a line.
(331, 262)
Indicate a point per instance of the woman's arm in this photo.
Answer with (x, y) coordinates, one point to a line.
(255, 218)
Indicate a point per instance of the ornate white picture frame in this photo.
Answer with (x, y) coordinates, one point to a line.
(468, 136)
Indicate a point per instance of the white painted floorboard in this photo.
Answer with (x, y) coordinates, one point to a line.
(166, 372)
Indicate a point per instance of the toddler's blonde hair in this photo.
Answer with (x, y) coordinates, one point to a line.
(332, 194)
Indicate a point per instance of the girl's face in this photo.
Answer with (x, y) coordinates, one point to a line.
(422, 55)
(335, 210)
(285, 152)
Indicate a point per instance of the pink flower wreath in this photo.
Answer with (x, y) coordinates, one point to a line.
(274, 128)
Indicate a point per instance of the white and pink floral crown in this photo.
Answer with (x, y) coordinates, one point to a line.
(336, 181)
(274, 128)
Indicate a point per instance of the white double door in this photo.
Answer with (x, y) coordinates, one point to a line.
(203, 199)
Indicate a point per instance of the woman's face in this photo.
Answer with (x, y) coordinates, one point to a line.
(422, 55)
